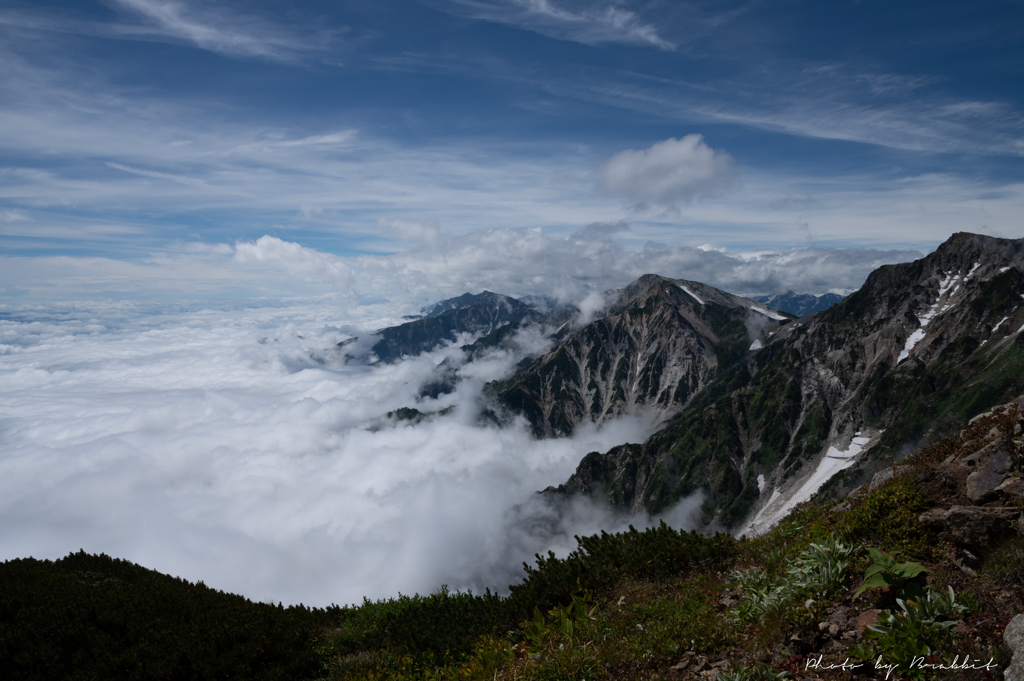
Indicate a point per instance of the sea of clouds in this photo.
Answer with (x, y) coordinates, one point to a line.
(231, 443)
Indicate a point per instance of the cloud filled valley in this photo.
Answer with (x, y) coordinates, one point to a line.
(235, 446)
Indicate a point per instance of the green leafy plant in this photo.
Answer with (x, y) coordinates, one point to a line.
(820, 568)
(750, 578)
(913, 631)
(567, 621)
(885, 572)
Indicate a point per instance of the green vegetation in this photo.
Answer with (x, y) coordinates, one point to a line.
(888, 517)
(94, 617)
(898, 578)
(912, 632)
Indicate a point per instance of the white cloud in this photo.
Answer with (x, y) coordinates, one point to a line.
(299, 261)
(667, 173)
(232, 446)
(591, 25)
(515, 262)
(211, 28)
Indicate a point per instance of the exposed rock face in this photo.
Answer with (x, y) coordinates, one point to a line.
(918, 349)
(972, 526)
(662, 342)
(992, 467)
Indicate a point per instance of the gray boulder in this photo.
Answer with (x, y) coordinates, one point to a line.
(1013, 649)
(991, 470)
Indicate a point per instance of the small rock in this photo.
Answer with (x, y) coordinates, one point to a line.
(979, 417)
(809, 603)
(880, 478)
(867, 617)
(833, 630)
(839, 615)
(1012, 488)
(935, 518)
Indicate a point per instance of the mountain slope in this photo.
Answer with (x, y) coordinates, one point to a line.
(661, 343)
(906, 359)
(481, 313)
(799, 304)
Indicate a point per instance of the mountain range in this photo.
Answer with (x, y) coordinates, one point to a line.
(760, 409)
(799, 304)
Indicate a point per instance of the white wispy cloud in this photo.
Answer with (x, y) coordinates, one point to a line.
(181, 179)
(590, 24)
(215, 28)
(208, 26)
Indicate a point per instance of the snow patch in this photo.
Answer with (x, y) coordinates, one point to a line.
(756, 345)
(760, 483)
(976, 266)
(950, 282)
(833, 462)
(1003, 269)
(768, 313)
(914, 339)
(996, 327)
(692, 294)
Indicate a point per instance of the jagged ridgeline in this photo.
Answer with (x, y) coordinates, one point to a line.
(662, 342)
(799, 304)
(907, 359)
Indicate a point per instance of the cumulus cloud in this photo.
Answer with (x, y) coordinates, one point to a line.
(232, 445)
(527, 262)
(667, 173)
(306, 263)
(440, 265)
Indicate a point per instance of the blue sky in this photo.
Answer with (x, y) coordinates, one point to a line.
(182, 149)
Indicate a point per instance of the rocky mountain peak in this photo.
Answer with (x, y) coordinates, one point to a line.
(482, 299)
(662, 341)
(836, 395)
